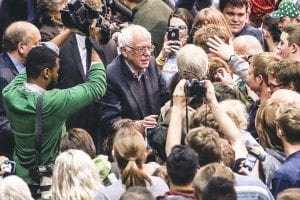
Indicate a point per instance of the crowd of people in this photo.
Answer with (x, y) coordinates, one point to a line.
(186, 99)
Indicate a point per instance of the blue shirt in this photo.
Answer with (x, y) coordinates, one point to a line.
(288, 175)
(19, 66)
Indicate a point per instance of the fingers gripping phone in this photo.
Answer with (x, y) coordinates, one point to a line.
(250, 161)
(173, 33)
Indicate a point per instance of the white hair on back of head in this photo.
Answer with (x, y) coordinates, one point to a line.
(13, 187)
(237, 111)
(192, 58)
(75, 176)
(130, 33)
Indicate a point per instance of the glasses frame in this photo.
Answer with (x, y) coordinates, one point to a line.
(272, 86)
(142, 50)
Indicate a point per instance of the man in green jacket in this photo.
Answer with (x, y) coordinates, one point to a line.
(20, 99)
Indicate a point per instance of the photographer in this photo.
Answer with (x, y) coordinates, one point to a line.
(228, 127)
(20, 99)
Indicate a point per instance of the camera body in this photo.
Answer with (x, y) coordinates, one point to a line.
(80, 16)
(37, 172)
(8, 167)
(195, 87)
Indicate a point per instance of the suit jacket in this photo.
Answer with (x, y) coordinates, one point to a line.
(120, 100)
(8, 72)
(70, 74)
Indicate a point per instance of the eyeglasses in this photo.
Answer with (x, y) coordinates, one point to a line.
(142, 50)
(273, 86)
(181, 27)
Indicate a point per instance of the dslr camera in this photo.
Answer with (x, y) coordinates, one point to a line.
(80, 16)
(195, 87)
(37, 172)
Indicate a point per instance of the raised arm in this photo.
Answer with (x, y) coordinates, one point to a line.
(225, 123)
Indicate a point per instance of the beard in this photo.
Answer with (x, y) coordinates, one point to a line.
(52, 84)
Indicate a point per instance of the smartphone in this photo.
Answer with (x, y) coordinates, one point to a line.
(250, 161)
(173, 33)
(9, 167)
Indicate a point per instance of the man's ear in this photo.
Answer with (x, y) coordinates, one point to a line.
(21, 48)
(46, 73)
(123, 51)
(294, 48)
(259, 79)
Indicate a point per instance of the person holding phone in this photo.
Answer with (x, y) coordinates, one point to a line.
(179, 26)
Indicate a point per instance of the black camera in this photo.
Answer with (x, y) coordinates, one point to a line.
(80, 16)
(37, 172)
(195, 87)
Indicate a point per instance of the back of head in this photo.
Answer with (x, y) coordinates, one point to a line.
(78, 138)
(212, 16)
(266, 127)
(129, 34)
(206, 143)
(187, 61)
(203, 34)
(17, 32)
(289, 194)
(219, 188)
(80, 178)
(182, 165)
(236, 110)
(38, 59)
(288, 122)
(247, 45)
(234, 3)
(137, 193)
(13, 187)
(206, 173)
(129, 149)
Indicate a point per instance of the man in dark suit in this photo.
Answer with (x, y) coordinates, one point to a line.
(74, 67)
(136, 89)
(18, 40)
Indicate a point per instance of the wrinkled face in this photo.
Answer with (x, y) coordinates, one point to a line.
(253, 82)
(183, 29)
(139, 53)
(236, 17)
(53, 76)
(283, 48)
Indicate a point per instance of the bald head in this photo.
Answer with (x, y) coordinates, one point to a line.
(247, 45)
(19, 32)
(284, 95)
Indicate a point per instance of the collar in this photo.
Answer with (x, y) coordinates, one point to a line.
(19, 66)
(34, 88)
(139, 75)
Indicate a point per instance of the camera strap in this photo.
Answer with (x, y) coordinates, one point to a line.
(38, 128)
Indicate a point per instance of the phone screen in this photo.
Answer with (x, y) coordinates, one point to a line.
(250, 161)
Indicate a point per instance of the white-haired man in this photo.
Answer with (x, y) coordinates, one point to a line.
(136, 88)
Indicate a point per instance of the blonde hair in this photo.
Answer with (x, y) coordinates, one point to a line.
(75, 176)
(13, 187)
(265, 125)
(236, 110)
(209, 16)
(129, 149)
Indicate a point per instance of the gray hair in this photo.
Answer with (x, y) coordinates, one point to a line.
(192, 58)
(129, 34)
